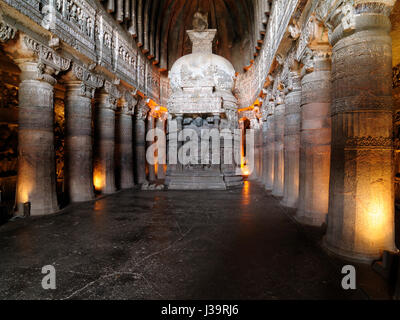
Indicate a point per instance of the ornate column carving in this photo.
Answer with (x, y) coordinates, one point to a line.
(81, 85)
(104, 164)
(361, 204)
(6, 31)
(125, 141)
(279, 118)
(140, 140)
(36, 181)
(315, 140)
(292, 140)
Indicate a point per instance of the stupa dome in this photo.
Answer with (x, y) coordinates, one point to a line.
(202, 68)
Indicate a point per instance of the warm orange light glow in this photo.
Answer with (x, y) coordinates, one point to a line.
(98, 181)
(24, 191)
(376, 221)
(152, 104)
(255, 105)
(245, 171)
(244, 167)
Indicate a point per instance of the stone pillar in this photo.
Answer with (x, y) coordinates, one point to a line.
(292, 142)
(140, 140)
(315, 140)
(256, 131)
(279, 119)
(161, 150)
(264, 177)
(80, 85)
(104, 165)
(172, 147)
(260, 151)
(125, 142)
(36, 181)
(179, 123)
(361, 205)
(270, 167)
(151, 167)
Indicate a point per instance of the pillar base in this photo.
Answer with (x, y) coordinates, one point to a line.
(289, 204)
(37, 212)
(82, 199)
(277, 194)
(128, 187)
(350, 255)
(309, 220)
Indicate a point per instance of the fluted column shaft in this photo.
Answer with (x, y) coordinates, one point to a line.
(256, 156)
(292, 144)
(361, 206)
(260, 152)
(315, 144)
(125, 149)
(161, 150)
(140, 149)
(36, 181)
(264, 176)
(279, 168)
(270, 168)
(104, 168)
(78, 143)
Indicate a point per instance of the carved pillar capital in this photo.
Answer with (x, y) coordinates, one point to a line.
(280, 97)
(314, 37)
(36, 61)
(345, 17)
(141, 110)
(316, 59)
(87, 81)
(110, 94)
(128, 102)
(294, 81)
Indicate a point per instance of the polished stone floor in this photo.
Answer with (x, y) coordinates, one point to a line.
(174, 245)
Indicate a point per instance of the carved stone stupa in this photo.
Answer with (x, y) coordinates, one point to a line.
(202, 98)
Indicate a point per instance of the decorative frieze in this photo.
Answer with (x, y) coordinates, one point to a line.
(90, 81)
(74, 22)
(85, 26)
(369, 143)
(47, 55)
(6, 31)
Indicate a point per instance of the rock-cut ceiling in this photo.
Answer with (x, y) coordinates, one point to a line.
(159, 27)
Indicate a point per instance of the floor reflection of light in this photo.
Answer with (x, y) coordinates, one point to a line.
(246, 193)
(99, 217)
(98, 206)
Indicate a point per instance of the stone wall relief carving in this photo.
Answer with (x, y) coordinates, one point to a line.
(90, 81)
(142, 110)
(7, 32)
